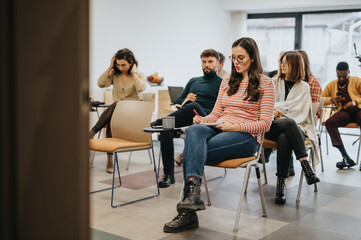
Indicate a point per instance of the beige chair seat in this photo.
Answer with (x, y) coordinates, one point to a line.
(114, 144)
(234, 163)
(273, 144)
(128, 121)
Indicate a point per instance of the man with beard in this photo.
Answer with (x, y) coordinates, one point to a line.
(345, 93)
(200, 94)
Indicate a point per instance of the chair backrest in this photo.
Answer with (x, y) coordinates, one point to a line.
(129, 118)
(146, 96)
(164, 103)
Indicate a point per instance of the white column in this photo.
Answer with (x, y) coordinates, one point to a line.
(239, 20)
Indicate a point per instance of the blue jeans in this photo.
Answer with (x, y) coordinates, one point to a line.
(209, 145)
(183, 117)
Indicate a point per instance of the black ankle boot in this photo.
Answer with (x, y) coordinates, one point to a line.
(193, 201)
(280, 191)
(310, 176)
(182, 222)
(291, 170)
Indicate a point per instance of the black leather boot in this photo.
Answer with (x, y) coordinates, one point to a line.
(166, 181)
(280, 191)
(350, 162)
(182, 222)
(193, 201)
(291, 169)
(342, 164)
(346, 162)
(310, 176)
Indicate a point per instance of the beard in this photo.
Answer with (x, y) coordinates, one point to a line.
(210, 72)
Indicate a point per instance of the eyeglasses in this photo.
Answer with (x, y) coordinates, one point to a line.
(239, 59)
(280, 63)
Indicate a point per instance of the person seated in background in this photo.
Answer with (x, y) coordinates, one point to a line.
(244, 107)
(345, 93)
(293, 121)
(127, 84)
(315, 91)
(199, 94)
(221, 72)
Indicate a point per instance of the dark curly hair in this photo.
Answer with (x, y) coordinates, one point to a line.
(126, 55)
(254, 72)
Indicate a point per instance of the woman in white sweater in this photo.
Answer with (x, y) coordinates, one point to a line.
(293, 120)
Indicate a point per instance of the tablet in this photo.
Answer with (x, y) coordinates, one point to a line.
(211, 124)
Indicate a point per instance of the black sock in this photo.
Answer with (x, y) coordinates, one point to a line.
(343, 151)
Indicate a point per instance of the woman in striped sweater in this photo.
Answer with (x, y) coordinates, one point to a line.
(244, 108)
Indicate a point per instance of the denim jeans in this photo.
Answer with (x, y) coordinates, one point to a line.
(209, 145)
(183, 117)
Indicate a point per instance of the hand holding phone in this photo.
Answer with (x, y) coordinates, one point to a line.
(339, 97)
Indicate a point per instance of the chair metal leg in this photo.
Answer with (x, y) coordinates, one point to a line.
(260, 188)
(129, 157)
(326, 142)
(150, 157)
(137, 200)
(235, 228)
(264, 167)
(299, 188)
(120, 183)
(320, 150)
(206, 190)
(249, 174)
(358, 151)
(220, 176)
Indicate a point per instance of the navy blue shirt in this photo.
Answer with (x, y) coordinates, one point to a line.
(206, 88)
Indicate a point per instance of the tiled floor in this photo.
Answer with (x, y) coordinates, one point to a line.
(334, 212)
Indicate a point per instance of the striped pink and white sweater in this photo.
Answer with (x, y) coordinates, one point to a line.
(253, 117)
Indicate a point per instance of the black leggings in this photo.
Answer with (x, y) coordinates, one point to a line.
(288, 136)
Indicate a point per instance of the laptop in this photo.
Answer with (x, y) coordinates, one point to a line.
(174, 93)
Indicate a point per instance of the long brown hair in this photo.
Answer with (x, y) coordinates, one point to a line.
(296, 70)
(306, 62)
(254, 72)
(126, 55)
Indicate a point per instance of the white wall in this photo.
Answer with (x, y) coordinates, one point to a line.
(166, 36)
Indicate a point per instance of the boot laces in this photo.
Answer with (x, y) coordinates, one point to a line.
(307, 168)
(280, 186)
(179, 217)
